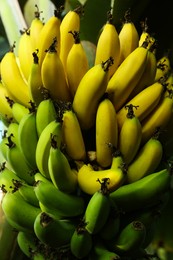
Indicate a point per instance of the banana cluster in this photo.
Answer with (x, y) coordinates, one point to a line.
(82, 175)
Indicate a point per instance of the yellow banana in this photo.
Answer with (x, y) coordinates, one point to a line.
(115, 175)
(91, 88)
(53, 75)
(130, 135)
(128, 37)
(106, 132)
(163, 67)
(35, 28)
(146, 161)
(25, 53)
(72, 136)
(70, 22)
(18, 110)
(15, 83)
(108, 45)
(158, 118)
(147, 99)
(127, 76)
(145, 35)
(50, 31)
(35, 84)
(75, 72)
(5, 108)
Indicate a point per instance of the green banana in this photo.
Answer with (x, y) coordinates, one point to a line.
(61, 174)
(27, 135)
(52, 231)
(142, 193)
(101, 252)
(18, 110)
(44, 144)
(28, 243)
(3, 146)
(12, 131)
(63, 204)
(19, 213)
(39, 177)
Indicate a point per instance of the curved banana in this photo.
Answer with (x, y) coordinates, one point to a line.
(19, 90)
(5, 109)
(146, 161)
(72, 136)
(108, 45)
(28, 137)
(44, 144)
(130, 135)
(3, 146)
(127, 76)
(89, 92)
(12, 132)
(145, 35)
(18, 110)
(106, 132)
(61, 203)
(61, 173)
(158, 118)
(53, 75)
(128, 34)
(88, 177)
(20, 214)
(142, 193)
(77, 63)
(163, 67)
(101, 252)
(70, 22)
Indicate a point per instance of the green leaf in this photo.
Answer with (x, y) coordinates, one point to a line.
(4, 46)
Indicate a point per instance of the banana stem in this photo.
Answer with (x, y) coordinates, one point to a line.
(12, 19)
(47, 7)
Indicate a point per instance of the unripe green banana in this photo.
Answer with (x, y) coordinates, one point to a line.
(18, 110)
(28, 243)
(97, 210)
(101, 252)
(142, 193)
(81, 242)
(19, 213)
(3, 146)
(52, 231)
(12, 131)
(63, 204)
(39, 177)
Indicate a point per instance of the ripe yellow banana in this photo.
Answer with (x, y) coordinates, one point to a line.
(70, 22)
(163, 67)
(128, 37)
(91, 88)
(5, 109)
(127, 76)
(106, 132)
(158, 118)
(53, 75)
(72, 136)
(108, 45)
(50, 31)
(19, 90)
(75, 72)
(145, 35)
(130, 135)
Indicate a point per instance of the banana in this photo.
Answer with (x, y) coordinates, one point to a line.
(76, 73)
(142, 193)
(24, 53)
(35, 28)
(146, 101)
(35, 84)
(19, 90)
(81, 242)
(130, 135)
(106, 132)
(128, 34)
(108, 45)
(46, 112)
(53, 74)
(18, 110)
(20, 214)
(101, 252)
(129, 239)
(39, 177)
(163, 67)
(61, 203)
(5, 109)
(70, 22)
(159, 117)
(50, 31)
(61, 174)
(144, 35)
(52, 231)
(146, 161)
(72, 136)
(125, 78)
(27, 135)
(12, 132)
(97, 209)
(44, 144)
(88, 177)
(18, 163)
(89, 92)
(3, 146)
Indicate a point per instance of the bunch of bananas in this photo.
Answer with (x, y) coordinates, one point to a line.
(82, 170)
